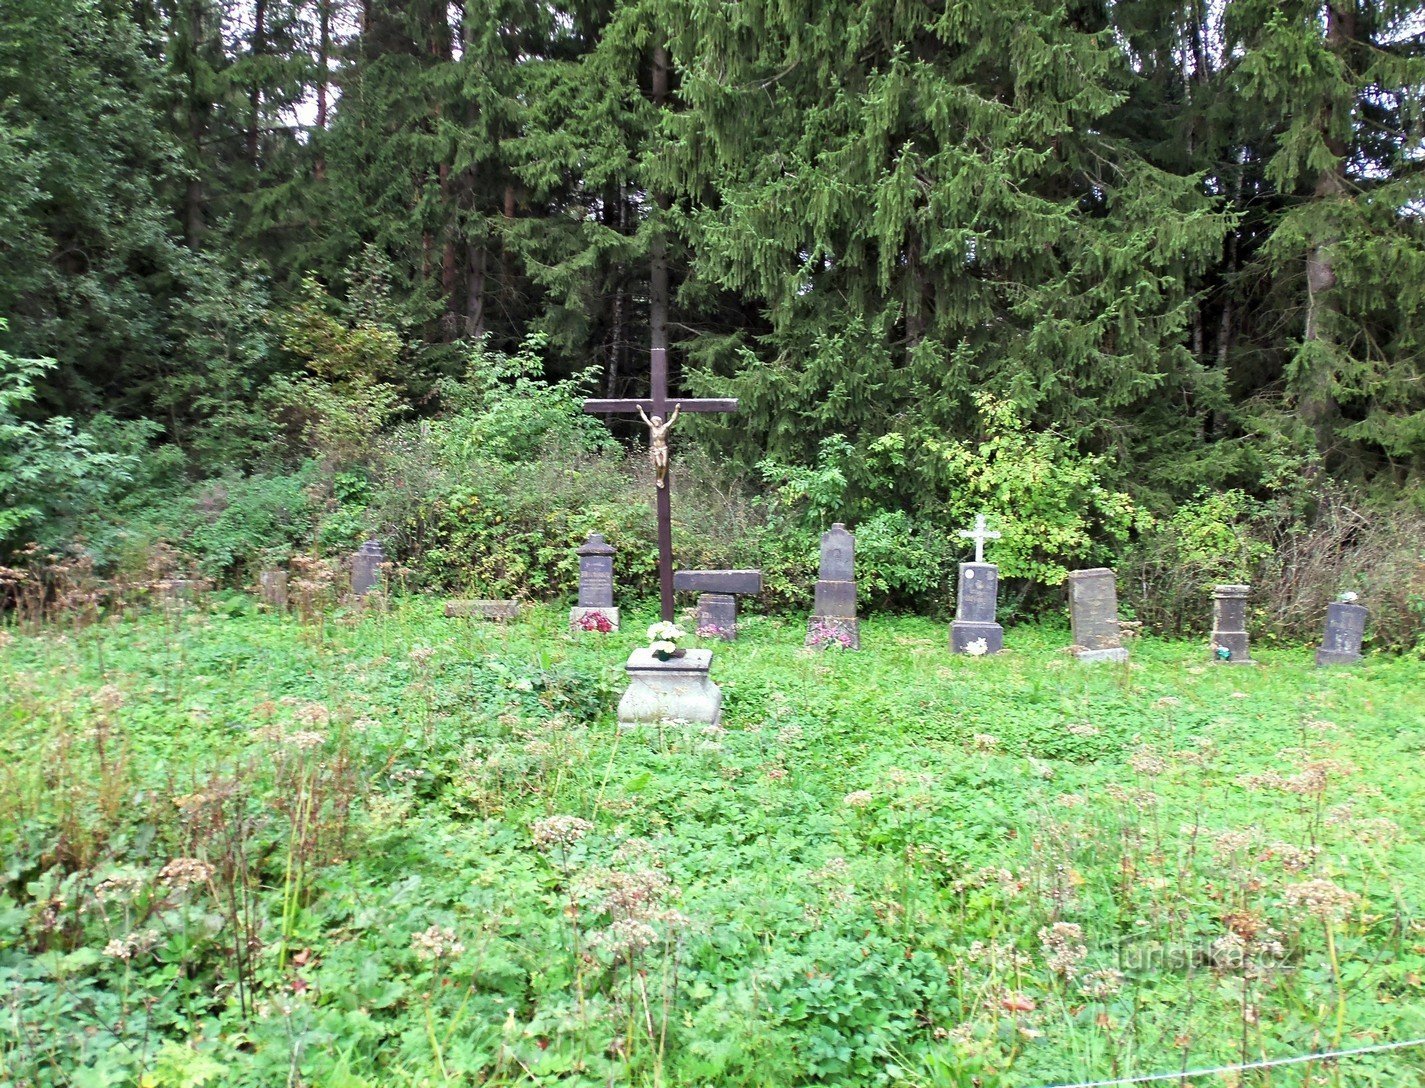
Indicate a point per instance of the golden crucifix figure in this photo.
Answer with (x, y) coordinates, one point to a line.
(658, 442)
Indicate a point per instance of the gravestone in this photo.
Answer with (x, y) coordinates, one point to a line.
(976, 598)
(1093, 615)
(273, 584)
(717, 605)
(366, 568)
(679, 689)
(1345, 630)
(499, 611)
(1229, 625)
(596, 586)
(833, 619)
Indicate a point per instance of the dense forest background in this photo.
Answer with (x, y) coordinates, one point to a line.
(1145, 281)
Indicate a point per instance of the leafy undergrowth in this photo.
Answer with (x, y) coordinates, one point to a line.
(395, 849)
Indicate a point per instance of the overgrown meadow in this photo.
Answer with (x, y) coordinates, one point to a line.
(384, 848)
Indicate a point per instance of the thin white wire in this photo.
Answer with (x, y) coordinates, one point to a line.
(1266, 1064)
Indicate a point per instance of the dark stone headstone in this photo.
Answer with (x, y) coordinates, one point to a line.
(718, 581)
(833, 621)
(1345, 630)
(596, 573)
(717, 616)
(975, 610)
(1229, 625)
(366, 568)
(499, 611)
(595, 610)
(273, 584)
(1093, 615)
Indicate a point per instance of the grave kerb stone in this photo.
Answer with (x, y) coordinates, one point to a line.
(498, 610)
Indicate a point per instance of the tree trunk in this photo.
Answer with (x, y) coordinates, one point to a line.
(1317, 403)
(259, 47)
(324, 47)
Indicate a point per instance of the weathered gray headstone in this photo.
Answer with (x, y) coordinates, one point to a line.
(833, 620)
(679, 689)
(1345, 630)
(596, 587)
(1093, 615)
(717, 616)
(1229, 625)
(723, 585)
(718, 581)
(273, 584)
(366, 568)
(500, 611)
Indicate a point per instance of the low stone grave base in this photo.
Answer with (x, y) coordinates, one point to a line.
(577, 616)
(1337, 657)
(659, 691)
(1117, 654)
(824, 632)
(500, 611)
(964, 632)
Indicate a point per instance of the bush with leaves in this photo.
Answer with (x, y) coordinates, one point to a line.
(49, 470)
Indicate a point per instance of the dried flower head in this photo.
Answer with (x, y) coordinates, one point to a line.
(436, 943)
(559, 831)
(1062, 945)
(1321, 898)
(858, 799)
(182, 873)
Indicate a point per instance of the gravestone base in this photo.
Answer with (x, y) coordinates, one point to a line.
(717, 616)
(825, 631)
(1236, 643)
(660, 691)
(1117, 654)
(499, 611)
(1337, 657)
(964, 632)
(577, 615)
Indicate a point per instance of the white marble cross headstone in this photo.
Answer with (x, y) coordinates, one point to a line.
(979, 534)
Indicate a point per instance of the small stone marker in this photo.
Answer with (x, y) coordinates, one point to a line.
(1229, 625)
(1093, 615)
(596, 586)
(833, 619)
(717, 606)
(499, 611)
(1345, 630)
(273, 584)
(976, 599)
(679, 689)
(366, 568)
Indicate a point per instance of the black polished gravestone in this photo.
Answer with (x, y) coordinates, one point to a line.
(1093, 615)
(1229, 625)
(974, 630)
(366, 568)
(595, 610)
(717, 605)
(1345, 631)
(975, 605)
(833, 621)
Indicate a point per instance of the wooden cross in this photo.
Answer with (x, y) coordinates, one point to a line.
(979, 534)
(659, 404)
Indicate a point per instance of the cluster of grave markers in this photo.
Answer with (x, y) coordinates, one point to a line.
(681, 688)
(1093, 603)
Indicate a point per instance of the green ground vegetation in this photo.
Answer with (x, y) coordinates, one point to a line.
(382, 847)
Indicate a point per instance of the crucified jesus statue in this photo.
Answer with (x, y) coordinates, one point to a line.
(658, 442)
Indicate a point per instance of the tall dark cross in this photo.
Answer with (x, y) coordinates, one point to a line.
(657, 408)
